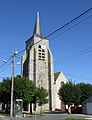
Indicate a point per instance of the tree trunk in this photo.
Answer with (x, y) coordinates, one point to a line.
(30, 108)
(41, 110)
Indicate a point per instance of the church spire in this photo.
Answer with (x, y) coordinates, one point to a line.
(37, 28)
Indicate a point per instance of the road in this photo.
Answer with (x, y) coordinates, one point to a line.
(52, 117)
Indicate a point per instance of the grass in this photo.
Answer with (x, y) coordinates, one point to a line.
(32, 116)
(26, 115)
(73, 119)
(4, 114)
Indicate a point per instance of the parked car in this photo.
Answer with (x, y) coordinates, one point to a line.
(76, 109)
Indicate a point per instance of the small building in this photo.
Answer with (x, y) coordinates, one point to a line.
(87, 106)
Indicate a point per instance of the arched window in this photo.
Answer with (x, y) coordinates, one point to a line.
(62, 83)
(39, 46)
(43, 50)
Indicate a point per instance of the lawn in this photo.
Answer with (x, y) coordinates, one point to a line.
(4, 114)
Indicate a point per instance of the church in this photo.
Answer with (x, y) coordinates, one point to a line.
(38, 66)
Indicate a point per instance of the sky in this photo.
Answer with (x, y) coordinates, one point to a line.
(17, 19)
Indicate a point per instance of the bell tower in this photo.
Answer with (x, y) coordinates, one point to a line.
(37, 62)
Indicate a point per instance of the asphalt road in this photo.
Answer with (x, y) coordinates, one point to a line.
(52, 117)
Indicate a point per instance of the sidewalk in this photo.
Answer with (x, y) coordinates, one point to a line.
(87, 117)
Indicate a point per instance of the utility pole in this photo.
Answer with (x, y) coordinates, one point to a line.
(12, 85)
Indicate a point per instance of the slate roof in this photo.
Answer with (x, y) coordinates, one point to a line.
(37, 28)
(56, 75)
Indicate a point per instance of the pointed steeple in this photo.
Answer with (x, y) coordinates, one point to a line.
(37, 28)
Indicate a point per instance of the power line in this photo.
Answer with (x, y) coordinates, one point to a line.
(5, 62)
(21, 52)
(70, 27)
(70, 75)
(68, 23)
(62, 27)
(81, 51)
(77, 54)
(73, 20)
(8, 61)
(57, 30)
(5, 67)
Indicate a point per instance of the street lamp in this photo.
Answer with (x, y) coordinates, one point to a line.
(5, 61)
(12, 85)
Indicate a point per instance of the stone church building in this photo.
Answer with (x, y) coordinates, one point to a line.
(37, 65)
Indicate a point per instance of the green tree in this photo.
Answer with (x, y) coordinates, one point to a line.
(86, 91)
(24, 89)
(5, 91)
(70, 94)
(41, 97)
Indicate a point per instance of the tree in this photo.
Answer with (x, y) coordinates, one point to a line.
(86, 91)
(70, 94)
(24, 89)
(5, 91)
(41, 95)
